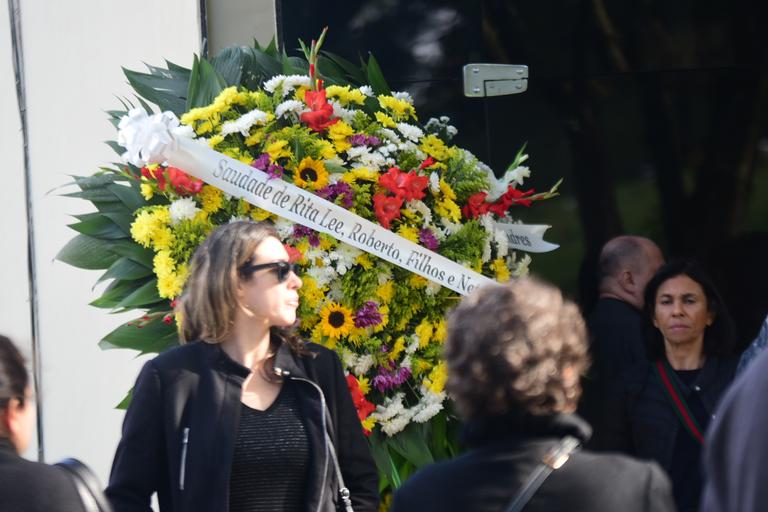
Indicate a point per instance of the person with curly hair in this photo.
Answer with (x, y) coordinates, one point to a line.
(515, 353)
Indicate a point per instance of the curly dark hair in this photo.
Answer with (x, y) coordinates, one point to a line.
(516, 348)
(718, 337)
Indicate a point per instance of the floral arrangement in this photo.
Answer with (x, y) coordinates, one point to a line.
(349, 140)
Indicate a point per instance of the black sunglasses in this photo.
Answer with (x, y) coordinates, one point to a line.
(282, 269)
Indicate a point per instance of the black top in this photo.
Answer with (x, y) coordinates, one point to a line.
(685, 473)
(269, 467)
(503, 453)
(27, 486)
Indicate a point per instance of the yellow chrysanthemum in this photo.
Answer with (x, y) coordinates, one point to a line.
(211, 198)
(364, 261)
(409, 233)
(360, 173)
(417, 282)
(278, 149)
(325, 149)
(146, 191)
(162, 238)
(345, 94)
(397, 349)
(310, 294)
(254, 138)
(169, 286)
(499, 266)
(336, 320)
(215, 141)
(424, 331)
(401, 110)
(437, 377)
(310, 174)
(434, 147)
(143, 227)
(365, 384)
(386, 291)
(162, 215)
(300, 92)
(419, 366)
(339, 133)
(163, 263)
(259, 214)
(385, 120)
(368, 424)
(441, 331)
(384, 312)
(448, 209)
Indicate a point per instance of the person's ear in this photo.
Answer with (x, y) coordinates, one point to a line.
(627, 280)
(11, 417)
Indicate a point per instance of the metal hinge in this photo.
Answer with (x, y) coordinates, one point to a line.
(494, 79)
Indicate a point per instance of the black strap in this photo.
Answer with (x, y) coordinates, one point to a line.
(87, 485)
(552, 460)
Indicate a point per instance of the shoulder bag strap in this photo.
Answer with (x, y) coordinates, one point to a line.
(344, 493)
(679, 404)
(552, 460)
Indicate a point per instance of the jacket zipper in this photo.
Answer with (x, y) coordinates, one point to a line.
(325, 431)
(183, 465)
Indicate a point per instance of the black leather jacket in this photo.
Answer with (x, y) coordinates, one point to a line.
(179, 431)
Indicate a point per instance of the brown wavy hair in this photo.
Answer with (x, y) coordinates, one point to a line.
(209, 300)
(508, 347)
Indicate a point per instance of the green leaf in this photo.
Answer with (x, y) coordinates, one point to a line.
(376, 77)
(97, 225)
(122, 220)
(115, 292)
(126, 269)
(204, 84)
(354, 74)
(158, 90)
(411, 444)
(383, 460)
(126, 401)
(145, 295)
(146, 335)
(229, 64)
(117, 148)
(87, 252)
(132, 250)
(129, 196)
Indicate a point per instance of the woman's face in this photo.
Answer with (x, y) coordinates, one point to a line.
(681, 312)
(263, 297)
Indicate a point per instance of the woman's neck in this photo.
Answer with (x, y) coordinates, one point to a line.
(685, 357)
(248, 346)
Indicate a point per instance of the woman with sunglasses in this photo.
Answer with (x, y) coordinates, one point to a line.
(244, 415)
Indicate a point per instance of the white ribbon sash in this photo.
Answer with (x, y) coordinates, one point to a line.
(293, 203)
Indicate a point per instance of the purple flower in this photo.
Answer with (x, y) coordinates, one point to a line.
(368, 315)
(340, 189)
(262, 162)
(387, 380)
(360, 139)
(300, 231)
(428, 239)
(274, 171)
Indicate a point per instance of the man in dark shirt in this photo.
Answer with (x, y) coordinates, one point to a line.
(615, 324)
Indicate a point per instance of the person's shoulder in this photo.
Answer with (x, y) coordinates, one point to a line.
(318, 355)
(182, 355)
(44, 484)
(626, 472)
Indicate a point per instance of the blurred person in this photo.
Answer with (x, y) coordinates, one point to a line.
(664, 406)
(735, 464)
(514, 354)
(243, 415)
(754, 348)
(615, 323)
(26, 486)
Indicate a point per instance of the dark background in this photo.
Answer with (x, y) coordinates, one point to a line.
(653, 112)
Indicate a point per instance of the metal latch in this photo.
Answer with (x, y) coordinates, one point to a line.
(494, 79)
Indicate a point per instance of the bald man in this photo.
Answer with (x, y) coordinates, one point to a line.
(626, 265)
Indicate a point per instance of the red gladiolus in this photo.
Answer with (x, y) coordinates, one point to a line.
(183, 183)
(320, 116)
(293, 253)
(156, 174)
(426, 163)
(387, 208)
(511, 197)
(362, 405)
(406, 185)
(476, 206)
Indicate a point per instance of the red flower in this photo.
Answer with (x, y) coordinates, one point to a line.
(363, 406)
(426, 163)
(293, 253)
(511, 197)
(156, 174)
(406, 185)
(387, 208)
(476, 206)
(183, 183)
(320, 117)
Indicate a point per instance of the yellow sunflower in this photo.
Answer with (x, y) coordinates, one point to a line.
(310, 174)
(336, 320)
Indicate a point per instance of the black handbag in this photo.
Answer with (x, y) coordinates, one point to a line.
(87, 485)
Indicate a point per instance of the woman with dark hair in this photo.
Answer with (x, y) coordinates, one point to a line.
(244, 415)
(25, 485)
(665, 404)
(514, 354)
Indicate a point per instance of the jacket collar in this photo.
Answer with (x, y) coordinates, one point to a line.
(287, 363)
(523, 427)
